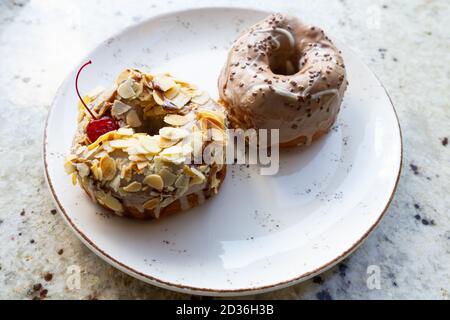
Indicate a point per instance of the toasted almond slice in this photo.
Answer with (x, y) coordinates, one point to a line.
(133, 119)
(138, 88)
(176, 119)
(145, 96)
(125, 89)
(151, 204)
(112, 203)
(174, 150)
(69, 168)
(172, 92)
(213, 116)
(167, 176)
(124, 75)
(108, 168)
(119, 108)
(158, 97)
(74, 179)
(83, 169)
(122, 143)
(142, 164)
(182, 82)
(137, 158)
(115, 183)
(201, 99)
(181, 99)
(125, 172)
(125, 131)
(97, 171)
(171, 133)
(133, 187)
(166, 143)
(197, 176)
(154, 181)
(151, 144)
(182, 181)
(163, 82)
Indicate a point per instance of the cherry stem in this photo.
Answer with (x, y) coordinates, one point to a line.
(78, 92)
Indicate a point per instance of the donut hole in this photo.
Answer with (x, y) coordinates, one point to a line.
(284, 64)
(151, 125)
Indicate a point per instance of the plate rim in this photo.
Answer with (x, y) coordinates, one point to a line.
(186, 288)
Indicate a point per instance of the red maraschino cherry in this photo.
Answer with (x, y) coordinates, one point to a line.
(96, 127)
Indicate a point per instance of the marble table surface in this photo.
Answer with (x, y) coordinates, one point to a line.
(406, 43)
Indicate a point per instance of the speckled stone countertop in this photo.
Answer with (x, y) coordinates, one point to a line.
(406, 43)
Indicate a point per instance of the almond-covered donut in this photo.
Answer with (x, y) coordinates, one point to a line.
(150, 165)
(283, 74)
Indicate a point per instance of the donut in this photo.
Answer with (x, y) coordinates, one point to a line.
(282, 74)
(145, 167)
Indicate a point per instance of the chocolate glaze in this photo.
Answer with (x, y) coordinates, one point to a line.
(283, 74)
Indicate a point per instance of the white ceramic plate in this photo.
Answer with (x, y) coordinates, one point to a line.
(261, 232)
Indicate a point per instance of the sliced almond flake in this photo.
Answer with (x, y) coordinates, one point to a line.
(122, 143)
(167, 201)
(107, 147)
(98, 174)
(125, 89)
(182, 181)
(83, 169)
(154, 181)
(151, 144)
(147, 80)
(167, 176)
(74, 179)
(174, 150)
(136, 149)
(158, 97)
(142, 164)
(125, 172)
(176, 119)
(108, 168)
(125, 131)
(163, 82)
(133, 119)
(137, 158)
(197, 176)
(115, 183)
(138, 88)
(100, 154)
(90, 152)
(172, 133)
(69, 167)
(124, 75)
(145, 96)
(133, 187)
(181, 99)
(182, 82)
(215, 117)
(201, 99)
(119, 108)
(172, 92)
(151, 204)
(112, 203)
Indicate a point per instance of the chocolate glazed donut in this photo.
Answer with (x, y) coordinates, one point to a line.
(283, 74)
